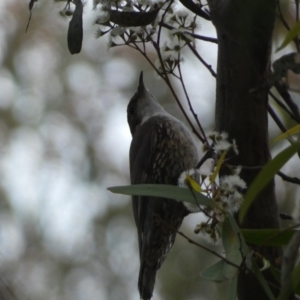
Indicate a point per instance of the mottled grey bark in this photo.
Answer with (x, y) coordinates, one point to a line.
(244, 30)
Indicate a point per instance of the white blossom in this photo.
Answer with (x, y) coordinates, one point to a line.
(237, 170)
(221, 146)
(117, 31)
(177, 44)
(234, 147)
(182, 13)
(183, 177)
(232, 182)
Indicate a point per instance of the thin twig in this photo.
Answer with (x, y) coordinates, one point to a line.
(196, 36)
(253, 168)
(136, 47)
(208, 154)
(201, 246)
(209, 67)
(189, 101)
(283, 91)
(287, 178)
(162, 18)
(195, 8)
(286, 25)
(276, 119)
(167, 80)
(281, 17)
(282, 105)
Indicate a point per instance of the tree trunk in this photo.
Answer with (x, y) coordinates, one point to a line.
(244, 30)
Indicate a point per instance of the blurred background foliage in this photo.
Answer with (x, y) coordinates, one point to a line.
(64, 139)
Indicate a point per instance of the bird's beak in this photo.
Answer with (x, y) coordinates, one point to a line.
(141, 86)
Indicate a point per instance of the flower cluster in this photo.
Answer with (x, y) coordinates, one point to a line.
(137, 22)
(123, 20)
(220, 142)
(226, 192)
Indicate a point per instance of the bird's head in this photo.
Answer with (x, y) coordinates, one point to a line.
(142, 106)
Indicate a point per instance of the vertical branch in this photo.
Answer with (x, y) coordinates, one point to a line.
(244, 31)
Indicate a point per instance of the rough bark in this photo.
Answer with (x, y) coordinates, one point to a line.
(244, 30)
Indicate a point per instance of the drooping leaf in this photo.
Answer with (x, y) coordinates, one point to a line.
(276, 273)
(194, 184)
(286, 134)
(262, 280)
(268, 237)
(232, 288)
(243, 246)
(75, 31)
(30, 6)
(265, 176)
(231, 245)
(293, 33)
(215, 272)
(133, 18)
(164, 191)
(296, 278)
(218, 167)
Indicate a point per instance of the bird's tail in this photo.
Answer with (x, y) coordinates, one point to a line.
(157, 242)
(146, 282)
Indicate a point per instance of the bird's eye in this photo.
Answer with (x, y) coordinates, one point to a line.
(130, 110)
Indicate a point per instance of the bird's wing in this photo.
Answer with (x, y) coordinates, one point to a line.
(141, 156)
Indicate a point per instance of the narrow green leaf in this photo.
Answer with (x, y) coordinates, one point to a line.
(215, 272)
(294, 31)
(265, 176)
(218, 167)
(297, 289)
(194, 184)
(262, 280)
(243, 246)
(296, 278)
(268, 237)
(232, 288)
(286, 134)
(162, 190)
(231, 245)
(276, 273)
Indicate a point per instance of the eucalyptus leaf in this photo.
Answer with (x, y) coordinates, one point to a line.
(133, 18)
(293, 33)
(75, 31)
(296, 278)
(262, 280)
(265, 176)
(215, 272)
(164, 191)
(232, 249)
(268, 237)
(244, 247)
(286, 134)
(276, 273)
(232, 288)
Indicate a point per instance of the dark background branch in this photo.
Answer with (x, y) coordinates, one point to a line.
(244, 32)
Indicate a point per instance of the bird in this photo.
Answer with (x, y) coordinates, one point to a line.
(161, 149)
